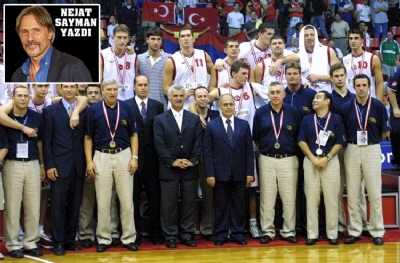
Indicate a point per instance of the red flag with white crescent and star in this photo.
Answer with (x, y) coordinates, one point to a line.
(158, 12)
(202, 17)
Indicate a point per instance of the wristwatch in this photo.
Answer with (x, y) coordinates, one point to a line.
(329, 157)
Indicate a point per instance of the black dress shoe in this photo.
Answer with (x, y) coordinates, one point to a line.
(189, 242)
(101, 248)
(311, 242)
(340, 234)
(59, 250)
(219, 242)
(366, 233)
(378, 241)
(132, 247)
(156, 240)
(291, 239)
(208, 237)
(333, 242)
(87, 243)
(241, 242)
(171, 243)
(72, 247)
(351, 240)
(116, 242)
(265, 239)
(35, 252)
(16, 253)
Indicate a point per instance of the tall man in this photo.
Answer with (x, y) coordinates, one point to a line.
(363, 62)
(315, 60)
(275, 130)
(366, 121)
(65, 167)
(178, 140)
(111, 132)
(151, 64)
(145, 110)
(227, 139)
(118, 65)
(21, 175)
(188, 67)
(321, 137)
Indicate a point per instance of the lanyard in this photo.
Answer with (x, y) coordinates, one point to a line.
(316, 127)
(23, 123)
(192, 68)
(240, 100)
(123, 73)
(359, 115)
(108, 122)
(277, 133)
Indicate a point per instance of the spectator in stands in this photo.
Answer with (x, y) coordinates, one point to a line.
(363, 13)
(389, 49)
(381, 21)
(346, 7)
(339, 31)
(133, 43)
(145, 24)
(364, 28)
(110, 30)
(319, 8)
(259, 7)
(225, 7)
(235, 20)
(129, 16)
(333, 6)
(295, 9)
(272, 13)
(296, 35)
(247, 17)
(250, 28)
(293, 45)
(338, 52)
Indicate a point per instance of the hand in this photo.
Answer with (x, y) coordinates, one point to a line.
(42, 173)
(312, 78)
(274, 67)
(187, 163)
(74, 120)
(315, 162)
(52, 174)
(29, 131)
(208, 28)
(178, 163)
(162, 26)
(129, 50)
(396, 113)
(219, 64)
(133, 165)
(211, 181)
(189, 92)
(249, 179)
(225, 85)
(203, 122)
(91, 170)
(323, 162)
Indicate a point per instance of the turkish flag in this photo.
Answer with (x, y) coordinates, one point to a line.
(202, 17)
(158, 12)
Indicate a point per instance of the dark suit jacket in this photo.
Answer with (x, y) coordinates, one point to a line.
(62, 146)
(63, 68)
(220, 158)
(147, 150)
(172, 144)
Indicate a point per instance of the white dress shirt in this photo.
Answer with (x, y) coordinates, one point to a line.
(178, 117)
(226, 125)
(139, 102)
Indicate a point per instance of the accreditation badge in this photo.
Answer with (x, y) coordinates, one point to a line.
(22, 150)
(362, 138)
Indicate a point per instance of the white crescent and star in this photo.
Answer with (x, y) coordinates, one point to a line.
(202, 19)
(166, 10)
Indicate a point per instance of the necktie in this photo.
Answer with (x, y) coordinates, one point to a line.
(143, 110)
(70, 111)
(229, 131)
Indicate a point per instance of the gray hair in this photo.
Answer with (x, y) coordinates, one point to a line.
(276, 83)
(225, 95)
(176, 87)
(107, 82)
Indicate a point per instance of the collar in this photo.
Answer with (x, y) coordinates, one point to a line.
(28, 113)
(224, 120)
(139, 101)
(299, 90)
(175, 113)
(67, 104)
(44, 62)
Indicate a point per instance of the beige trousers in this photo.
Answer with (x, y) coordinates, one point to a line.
(278, 176)
(364, 163)
(22, 184)
(329, 181)
(113, 169)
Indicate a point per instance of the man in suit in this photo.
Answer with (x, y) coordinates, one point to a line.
(178, 139)
(229, 161)
(65, 164)
(146, 110)
(45, 63)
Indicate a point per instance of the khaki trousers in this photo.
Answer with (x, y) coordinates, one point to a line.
(364, 163)
(87, 211)
(22, 184)
(329, 180)
(278, 175)
(113, 169)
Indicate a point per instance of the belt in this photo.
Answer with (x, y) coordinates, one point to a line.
(279, 156)
(111, 151)
(370, 143)
(21, 159)
(339, 37)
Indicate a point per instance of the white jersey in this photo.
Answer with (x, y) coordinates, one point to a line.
(279, 76)
(357, 65)
(39, 108)
(122, 69)
(190, 72)
(255, 54)
(323, 66)
(51, 91)
(6, 92)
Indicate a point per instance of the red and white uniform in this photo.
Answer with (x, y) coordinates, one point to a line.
(190, 72)
(122, 69)
(39, 108)
(279, 76)
(357, 65)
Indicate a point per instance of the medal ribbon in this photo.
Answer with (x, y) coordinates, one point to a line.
(280, 124)
(108, 122)
(123, 74)
(191, 69)
(35, 105)
(366, 115)
(361, 68)
(240, 100)
(316, 127)
(265, 55)
(281, 69)
(228, 67)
